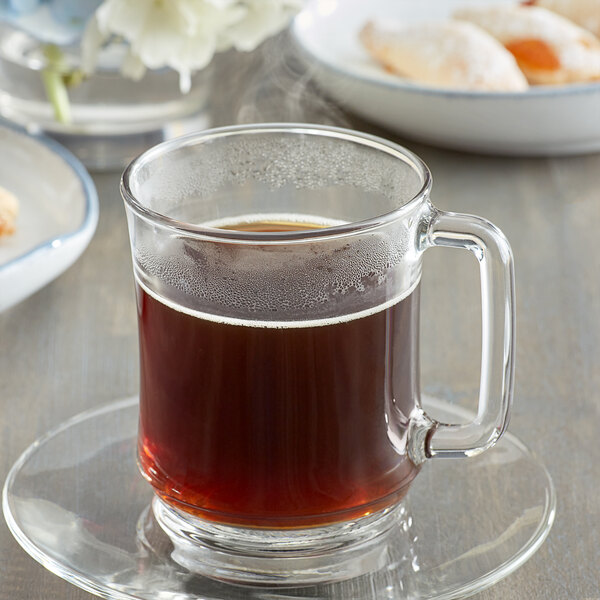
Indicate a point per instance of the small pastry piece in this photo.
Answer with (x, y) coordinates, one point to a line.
(586, 13)
(549, 48)
(451, 54)
(9, 208)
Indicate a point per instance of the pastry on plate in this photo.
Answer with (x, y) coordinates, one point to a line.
(586, 13)
(549, 48)
(450, 54)
(9, 209)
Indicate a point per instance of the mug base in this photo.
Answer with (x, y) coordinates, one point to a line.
(278, 557)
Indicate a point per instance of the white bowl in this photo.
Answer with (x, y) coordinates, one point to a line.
(545, 120)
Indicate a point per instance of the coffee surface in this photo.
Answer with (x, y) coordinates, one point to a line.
(273, 226)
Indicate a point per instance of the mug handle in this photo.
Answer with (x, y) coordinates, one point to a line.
(492, 250)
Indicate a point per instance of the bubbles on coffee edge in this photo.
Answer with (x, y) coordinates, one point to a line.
(334, 278)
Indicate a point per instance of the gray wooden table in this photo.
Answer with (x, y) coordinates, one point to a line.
(73, 345)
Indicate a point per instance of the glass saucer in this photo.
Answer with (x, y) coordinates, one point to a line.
(77, 504)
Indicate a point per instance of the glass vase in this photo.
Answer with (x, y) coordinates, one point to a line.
(113, 118)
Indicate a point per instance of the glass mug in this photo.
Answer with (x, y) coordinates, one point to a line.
(277, 273)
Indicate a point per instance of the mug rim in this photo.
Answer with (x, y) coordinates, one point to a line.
(252, 237)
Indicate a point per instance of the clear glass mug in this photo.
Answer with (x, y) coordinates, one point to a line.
(277, 273)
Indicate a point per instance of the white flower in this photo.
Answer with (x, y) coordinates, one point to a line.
(182, 34)
(262, 19)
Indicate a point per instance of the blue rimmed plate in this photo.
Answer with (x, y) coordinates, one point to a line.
(545, 120)
(58, 212)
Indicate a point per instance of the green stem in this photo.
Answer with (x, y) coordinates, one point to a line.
(53, 77)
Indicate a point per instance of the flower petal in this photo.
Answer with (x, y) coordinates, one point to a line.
(91, 42)
(133, 67)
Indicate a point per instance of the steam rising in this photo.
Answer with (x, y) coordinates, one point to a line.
(277, 87)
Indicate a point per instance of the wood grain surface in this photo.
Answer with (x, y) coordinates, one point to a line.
(73, 345)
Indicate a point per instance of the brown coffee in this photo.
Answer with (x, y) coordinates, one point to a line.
(265, 426)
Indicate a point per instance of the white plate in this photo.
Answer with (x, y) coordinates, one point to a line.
(545, 120)
(58, 212)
